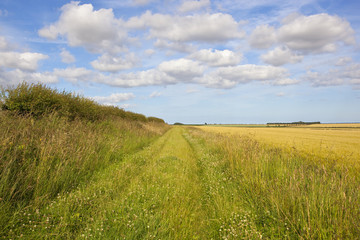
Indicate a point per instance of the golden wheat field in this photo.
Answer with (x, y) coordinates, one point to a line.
(327, 141)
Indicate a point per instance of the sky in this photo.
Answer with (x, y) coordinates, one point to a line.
(192, 61)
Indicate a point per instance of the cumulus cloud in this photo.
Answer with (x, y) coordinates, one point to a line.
(174, 46)
(182, 69)
(200, 27)
(217, 58)
(150, 77)
(280, 56)
(315, 33)
(352, 72)
(27, 61)
(228, 77)
(188, 6)
(96, 30)
(73, 74)
(263, 36)
(66, 56)
(17, 67)
(284, 82)
(168, 72)
(317, 79)
(349, 74)
(114, 98)
(14, 77)
(307, 34)
(109, 63)
(343, 61)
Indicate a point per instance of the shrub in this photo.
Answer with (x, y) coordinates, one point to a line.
(155, 119)
(38, 100)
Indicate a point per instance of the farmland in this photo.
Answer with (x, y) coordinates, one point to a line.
(324, 141)
(112, 174)
(191, 184)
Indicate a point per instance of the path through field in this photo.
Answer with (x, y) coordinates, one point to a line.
(166, 191)
(189, 185)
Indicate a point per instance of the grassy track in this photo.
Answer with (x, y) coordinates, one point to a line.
(154, 194)
(192, 185)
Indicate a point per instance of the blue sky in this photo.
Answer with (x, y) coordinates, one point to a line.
(192, 61)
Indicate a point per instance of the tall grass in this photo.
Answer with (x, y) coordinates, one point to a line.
(289, 196)
(51, 142)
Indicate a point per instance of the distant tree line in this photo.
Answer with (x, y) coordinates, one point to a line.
(291, 123)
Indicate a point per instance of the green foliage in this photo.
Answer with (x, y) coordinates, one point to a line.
(155, 119)
(41, 158)
(38, 100)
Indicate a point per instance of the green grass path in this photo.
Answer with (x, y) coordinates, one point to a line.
(169, 190)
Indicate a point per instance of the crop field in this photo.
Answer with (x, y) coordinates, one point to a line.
(324, 141)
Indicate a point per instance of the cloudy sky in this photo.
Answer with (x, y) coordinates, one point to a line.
(192, 61)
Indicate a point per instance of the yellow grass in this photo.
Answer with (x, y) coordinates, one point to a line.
(332, 125)
(327, 141)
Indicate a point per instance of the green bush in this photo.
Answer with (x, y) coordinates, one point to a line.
(38, 100)
(155, 119)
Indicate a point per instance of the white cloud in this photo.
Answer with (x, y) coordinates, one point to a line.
(306, 34)
(351, 72)
(262, 37)
(188, 6)
(27, 61)
(192, 90)
(142, 2)
(149, 52)
(284, 82)
(326, 79)
(4, 44)
(228, 77)
(114, 98)
(339, 76)
(109, 63)
(135, 79)
(127, 105)
(343, 61)
(14, 77)
(155, 94)
(315, 33)
(175, 46)
(217, 58)
(66, 56)
(280, 56)
(73, 74)
(97, 31)
(200, 27)
(182, 69)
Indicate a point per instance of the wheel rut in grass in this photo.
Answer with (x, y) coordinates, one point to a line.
(170, 188)
(156, 193)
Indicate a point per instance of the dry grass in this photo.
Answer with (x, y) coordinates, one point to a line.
(326, 143)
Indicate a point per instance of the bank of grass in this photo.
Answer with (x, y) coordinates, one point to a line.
(51, 142)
